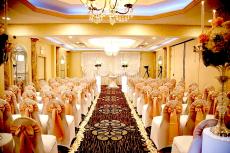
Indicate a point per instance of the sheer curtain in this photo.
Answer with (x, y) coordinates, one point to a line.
(110, 65)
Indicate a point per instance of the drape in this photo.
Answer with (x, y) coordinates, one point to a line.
(110, 65)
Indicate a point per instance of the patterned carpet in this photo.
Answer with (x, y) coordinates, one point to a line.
(112, 127)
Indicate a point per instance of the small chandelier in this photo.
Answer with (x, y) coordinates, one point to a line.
(115, 10)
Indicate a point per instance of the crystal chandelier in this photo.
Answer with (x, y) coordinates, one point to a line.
(115, 10)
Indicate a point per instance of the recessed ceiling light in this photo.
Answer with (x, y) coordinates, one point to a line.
(77, 42)
(7, 18)
(146, 43)
(154, 38)
(210, 20)
(70, 37)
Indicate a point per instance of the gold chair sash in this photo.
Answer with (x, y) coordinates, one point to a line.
(154, 104)
(26, 135)
(174, 123)
(2, 109)
(197, 113)
(171, 121)
(28, 109)
(58, 129)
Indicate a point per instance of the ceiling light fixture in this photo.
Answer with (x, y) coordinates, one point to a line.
(116, 10)
(70, 37)
(7, 18)
(111, 49)
(210, 20)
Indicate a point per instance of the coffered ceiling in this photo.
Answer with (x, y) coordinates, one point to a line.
(36, 17)
(75, 7)
(88, 43)
(23, 12)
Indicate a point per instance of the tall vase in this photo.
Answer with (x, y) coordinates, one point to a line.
(220, 129)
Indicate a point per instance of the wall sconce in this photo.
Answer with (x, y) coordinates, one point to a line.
(160, 62)
(42, 50)
(20, 58)
(62, 61)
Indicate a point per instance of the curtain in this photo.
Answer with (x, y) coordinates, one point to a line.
(110, 65)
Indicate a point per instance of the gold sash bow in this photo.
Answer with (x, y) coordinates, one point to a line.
(28, 109)
(199, 115)
(68, 98)
(154, 105)
(26, 133)
(58, 129)
(2, 109)
(174, 123)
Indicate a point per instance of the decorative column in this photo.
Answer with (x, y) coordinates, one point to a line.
(8, 71)
(34, 62)
(164, 72)
(57, 62)
(1, 80)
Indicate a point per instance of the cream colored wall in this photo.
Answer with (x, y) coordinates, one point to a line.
(177, 62)
(1, 79)
(26, 43)
(194, 72)
(53, 61)
(47, 53)
(74, 64)
(62, 53)
(148, 58)
(168, 73)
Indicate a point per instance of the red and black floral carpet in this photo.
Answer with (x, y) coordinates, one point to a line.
(111, 127)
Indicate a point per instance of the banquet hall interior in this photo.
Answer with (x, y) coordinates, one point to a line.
(114, 76)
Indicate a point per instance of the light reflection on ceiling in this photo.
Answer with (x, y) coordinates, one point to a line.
(83, 43)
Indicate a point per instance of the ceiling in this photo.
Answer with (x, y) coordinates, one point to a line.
(142, 7)
(151, 12)
(134, 43)
(23, 14)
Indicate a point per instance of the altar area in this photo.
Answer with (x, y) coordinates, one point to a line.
(110, 68)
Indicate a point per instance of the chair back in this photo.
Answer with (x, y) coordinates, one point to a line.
(17, 92)
(191, 98)
(69, 98)
(27, 136)
(29, 108)
(11, 99)
(197, 113)
(29, 94)
(212, 102)
(46, 98)
(154, 107)
(146, 93)
(165, 93)
(207, 91)
(5, 116)
(170, 124)
(57, 124)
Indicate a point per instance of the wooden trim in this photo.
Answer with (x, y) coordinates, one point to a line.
(182, 42)
(58, 14)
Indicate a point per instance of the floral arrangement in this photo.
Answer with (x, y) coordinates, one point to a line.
(216, 43)
(4, 45)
